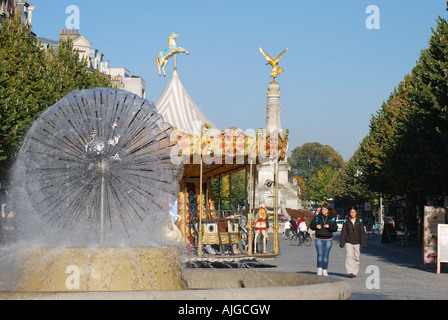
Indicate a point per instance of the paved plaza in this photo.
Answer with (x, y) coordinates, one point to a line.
(401, 275)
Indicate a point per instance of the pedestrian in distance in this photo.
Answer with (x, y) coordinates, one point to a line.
(353, 236)
(293, 226)
(324, 224)
(287, 229)
(301, 228)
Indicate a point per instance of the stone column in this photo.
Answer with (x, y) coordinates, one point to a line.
(273, 111)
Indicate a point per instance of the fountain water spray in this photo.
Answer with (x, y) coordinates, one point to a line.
(95, 168)
(93, 184)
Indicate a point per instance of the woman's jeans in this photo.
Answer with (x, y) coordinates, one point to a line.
(323, 248)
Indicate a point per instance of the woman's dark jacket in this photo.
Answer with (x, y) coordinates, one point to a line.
(324, 233)
(353, 233)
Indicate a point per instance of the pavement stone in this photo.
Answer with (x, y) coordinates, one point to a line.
(401, 274)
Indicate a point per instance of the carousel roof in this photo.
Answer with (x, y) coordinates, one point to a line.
(178, 109)
(232, 150)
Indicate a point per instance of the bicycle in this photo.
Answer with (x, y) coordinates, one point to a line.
(296, 241)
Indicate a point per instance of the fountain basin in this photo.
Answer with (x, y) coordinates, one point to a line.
(156, 274)
(290, 286)
(100, 269)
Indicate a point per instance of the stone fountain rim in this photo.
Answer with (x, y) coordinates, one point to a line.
(323, 288)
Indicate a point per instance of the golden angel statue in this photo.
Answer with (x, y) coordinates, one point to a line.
(276, 70)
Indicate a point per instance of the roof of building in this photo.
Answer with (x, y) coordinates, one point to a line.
(179, 110)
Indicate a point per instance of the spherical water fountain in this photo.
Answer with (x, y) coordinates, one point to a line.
(93, 185)
(94, 182)
(95, 168)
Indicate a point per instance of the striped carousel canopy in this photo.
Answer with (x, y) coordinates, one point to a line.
(179, 110)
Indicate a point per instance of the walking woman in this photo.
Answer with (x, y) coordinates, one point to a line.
(324, 224)
(353, 236)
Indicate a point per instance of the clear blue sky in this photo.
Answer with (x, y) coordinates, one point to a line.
(337, 72)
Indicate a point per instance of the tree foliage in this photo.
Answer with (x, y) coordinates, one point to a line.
(349, 183)
(31, 80)
(316, 164)
(405, 150)
(319, 184)
(303, 194)
(230, 190)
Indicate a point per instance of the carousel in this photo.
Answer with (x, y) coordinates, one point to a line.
(207, 153)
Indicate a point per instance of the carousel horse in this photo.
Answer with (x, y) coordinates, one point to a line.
(173, 49)
(261, 229)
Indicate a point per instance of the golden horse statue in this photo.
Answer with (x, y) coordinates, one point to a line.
(172, 50)
(276, 70)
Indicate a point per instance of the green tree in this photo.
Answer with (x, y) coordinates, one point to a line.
(407, 144)
(22, 65)
(312, 157)
(319, 184)
(383, 164)
(316, 164)
(230, 189)
(426, 133)
(405, 150)
(349, 183)
(31, 80)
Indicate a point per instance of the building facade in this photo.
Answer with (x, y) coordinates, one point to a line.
(8, 8)
(120, 77)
